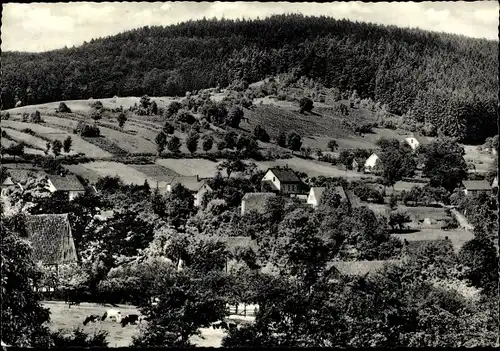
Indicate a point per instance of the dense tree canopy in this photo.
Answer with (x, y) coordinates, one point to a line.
(445, 80)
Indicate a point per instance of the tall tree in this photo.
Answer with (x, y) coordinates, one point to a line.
(161, 142)
(192, 142)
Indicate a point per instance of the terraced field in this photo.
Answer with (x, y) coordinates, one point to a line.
(191, 167)
(78, 145)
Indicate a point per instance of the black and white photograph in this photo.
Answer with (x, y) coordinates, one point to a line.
(249, 174)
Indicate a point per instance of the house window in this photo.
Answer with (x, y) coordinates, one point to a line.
(274, 179)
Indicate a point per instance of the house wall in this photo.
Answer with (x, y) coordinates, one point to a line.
(271, 177)
(243, 207)
(412, 142)
(311, 200)
(73, 194)
(290, 188)
(371, 163)
(50, 187)
(198, 197)
(473, 193)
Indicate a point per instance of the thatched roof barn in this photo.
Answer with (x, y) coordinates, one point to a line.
(51, 239)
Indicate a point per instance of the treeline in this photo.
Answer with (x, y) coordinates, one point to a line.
(445, 80)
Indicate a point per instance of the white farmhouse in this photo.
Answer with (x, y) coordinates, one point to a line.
(283, 180)
(416, 139)
(198, 187)
(372, 163)
(68, 184)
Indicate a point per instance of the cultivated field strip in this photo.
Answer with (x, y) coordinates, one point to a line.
(78, 144)
(128, 174)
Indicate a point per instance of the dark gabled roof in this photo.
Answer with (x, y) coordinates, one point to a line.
(51, 239)
(285, 175)
(192, 183)
(476, 185)
(359, 268)
(413, 247)
(353, 199)
(422, 140)
(68, 182)
(234, 242)
(256, 201)
(8, 182)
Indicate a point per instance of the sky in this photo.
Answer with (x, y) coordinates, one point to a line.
(38, 27)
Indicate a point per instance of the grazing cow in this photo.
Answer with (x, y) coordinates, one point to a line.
(130, 319)
(117, 315)
(92, 318)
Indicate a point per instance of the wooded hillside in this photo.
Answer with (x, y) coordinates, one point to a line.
(445, 80)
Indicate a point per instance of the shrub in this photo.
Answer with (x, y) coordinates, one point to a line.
(63, 108)
(6, 116)
(96, 115)
(366, 193)
(35, 117)
(97, 105)
(260, 133)
(87, 130)
(306, 105)
(184, 116)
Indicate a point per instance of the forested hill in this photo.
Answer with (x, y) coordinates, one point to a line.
(449, 81)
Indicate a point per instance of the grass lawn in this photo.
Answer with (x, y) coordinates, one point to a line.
(67, 319)
(422, 212)
(63, 317)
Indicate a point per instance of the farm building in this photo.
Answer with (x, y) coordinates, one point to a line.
(9, 183)
(255, 202)
(51, 239)
(198, 187)
(336, 269)
(372, 163)
(315, 194)
(283, 180)
(494, 183)
(68, 184)
(476, 187)
(416, 139)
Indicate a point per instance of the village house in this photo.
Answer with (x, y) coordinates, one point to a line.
(315, 194)
(372, 163)
(283, 180)
(255, 202)
(51, 239)
(198, 187)
(476, 187)
(68, 184)
(416, 139)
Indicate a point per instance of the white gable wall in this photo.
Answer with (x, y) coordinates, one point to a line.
(412, 142)
(270, 176)
(311, 199)
(371, 162)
